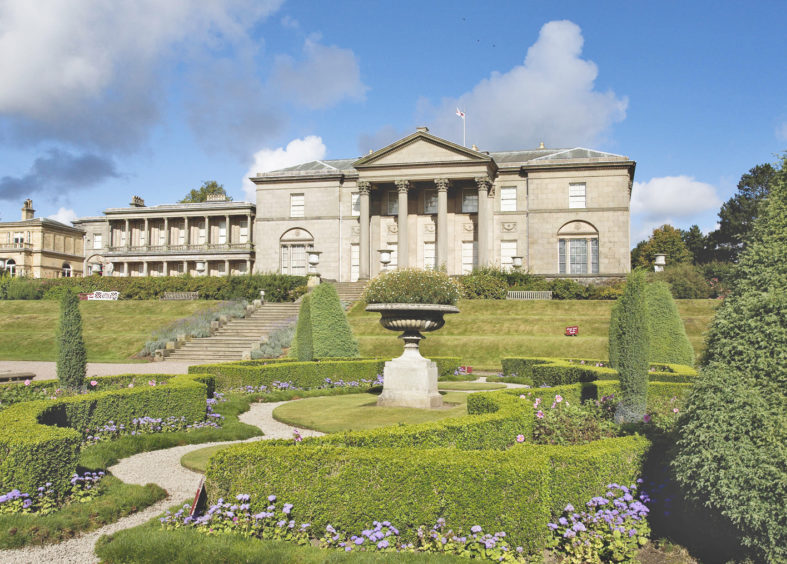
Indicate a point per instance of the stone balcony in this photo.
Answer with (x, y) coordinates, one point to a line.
(141, 250)
(16, 247)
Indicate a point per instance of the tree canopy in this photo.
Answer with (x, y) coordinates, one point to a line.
(665, 240)
(208, 188)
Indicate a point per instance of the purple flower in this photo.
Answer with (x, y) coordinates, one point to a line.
(476, 529)
(382, 544)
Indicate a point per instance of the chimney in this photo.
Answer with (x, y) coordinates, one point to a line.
(541, 145)
(216, 198)
(422, 129)
(137, 202)
(27, 210)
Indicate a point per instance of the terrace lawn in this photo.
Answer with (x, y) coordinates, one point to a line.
(487, 330)
(113, 331)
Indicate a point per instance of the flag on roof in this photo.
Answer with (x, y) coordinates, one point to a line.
(460, 113)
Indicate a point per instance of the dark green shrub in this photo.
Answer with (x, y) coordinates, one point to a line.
(22, 288)
(71, 353)
(330, 331)
(629, 348)
(567, 289)
(732, 445)
(302, 348)
(685, 280)
(668, 340)
(480, 286)
(412, 286)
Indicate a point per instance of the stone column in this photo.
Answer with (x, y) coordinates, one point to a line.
(402, 245)
(442, 221)
(483, 184)
(144, 268)
(186, 236)
(207, 230)
(248, 229)
(185, 267)
(147, 233)
(227, 229)
(125, 267)
(226, 267)
(128, 235)
(165, 268)
(248, 266)
(364, 187)
(166, 233)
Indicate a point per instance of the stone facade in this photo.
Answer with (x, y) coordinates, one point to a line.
(432, 202)
(40, 247)
(212, 238)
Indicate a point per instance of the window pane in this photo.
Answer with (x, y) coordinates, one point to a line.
(429, 256)
(355, 262)
(298, 260)
(507, 252)
(508, 198)
(594, 256)
(469, 201)
(562, 256)
(393, 203)
(296, 205)
(578, 256)
(469, 256)
(285, 260)
(430, 201)
(97, 241)
(576, 195)
(356, 204)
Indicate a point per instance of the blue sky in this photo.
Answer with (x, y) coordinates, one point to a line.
(104, 100)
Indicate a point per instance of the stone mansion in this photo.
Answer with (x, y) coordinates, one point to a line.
(429, 202)
(420, 202)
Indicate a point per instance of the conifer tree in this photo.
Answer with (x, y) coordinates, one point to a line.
(71, 354)
(302, 348)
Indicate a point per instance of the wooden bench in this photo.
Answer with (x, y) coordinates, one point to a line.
(180, 296)
(528, 295)
(6, 377)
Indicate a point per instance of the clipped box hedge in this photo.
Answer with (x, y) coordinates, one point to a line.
(559, 371)
(39, 440)
(477, 475)
(305, 375)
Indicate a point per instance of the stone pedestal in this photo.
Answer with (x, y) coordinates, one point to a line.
(410, 381)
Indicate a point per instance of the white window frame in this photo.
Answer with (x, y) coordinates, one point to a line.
(297, 205)
(468, 196)
(568, 246)
(355, 204)
(355, 262)
(507, 254)
(430, 255)
(244, 231)
(468, 266)
(430, 202)
(577, 195)
(508, 198)
(202, 236)
(223, 232)
(98, 241)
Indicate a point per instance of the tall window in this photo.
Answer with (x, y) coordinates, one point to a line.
(223, 232)
(508, 198)
(19, 238)
(430, 201)
(507, 252)
(202, 235)
(66, 270)
(430, 260)
(182, 236)
(355, 262)
(393, 203)
(578, 256)
(469, 256)
(355, 199)
(98, 241)
(469, 201)
(576, 195)
(296, 205)
(244, 232)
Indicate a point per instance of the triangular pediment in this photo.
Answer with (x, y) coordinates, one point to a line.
(420, 148)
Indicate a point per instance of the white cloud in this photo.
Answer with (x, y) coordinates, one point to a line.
(678, 196)
(297, 151)
(64, 215)
(327, 75)
(93, 72)
(550, 98)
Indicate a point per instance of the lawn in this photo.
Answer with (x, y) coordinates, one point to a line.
(487, 330)
(113, 331)
(357, 412)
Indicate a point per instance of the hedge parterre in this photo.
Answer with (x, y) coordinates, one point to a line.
(45, 500)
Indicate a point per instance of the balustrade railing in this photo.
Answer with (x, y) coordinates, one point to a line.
(158, 249)
(15, 246)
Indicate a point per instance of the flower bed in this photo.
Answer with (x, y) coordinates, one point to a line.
(469, 470)
(554, 371)
(40, 440)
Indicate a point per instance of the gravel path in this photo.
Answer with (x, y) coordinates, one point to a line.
(48, 370)
(161, 467)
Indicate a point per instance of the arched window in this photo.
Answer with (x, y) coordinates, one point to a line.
(293, 246)
(66, 271)
(10, 267)
(577, 248)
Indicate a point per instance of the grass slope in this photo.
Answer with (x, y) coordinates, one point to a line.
(113, 331)
(486, 330)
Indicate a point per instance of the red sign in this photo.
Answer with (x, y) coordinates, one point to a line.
(199, 498)
(572, 331)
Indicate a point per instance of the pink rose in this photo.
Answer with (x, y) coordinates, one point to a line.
(674, 410)
(522, 396)
(27, 382)
(93, 383)
(558, 398)
(520, 438)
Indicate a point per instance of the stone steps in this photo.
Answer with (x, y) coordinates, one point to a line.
(238, 336)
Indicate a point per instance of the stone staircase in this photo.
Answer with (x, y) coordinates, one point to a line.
(349, 291)
(238, 336)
